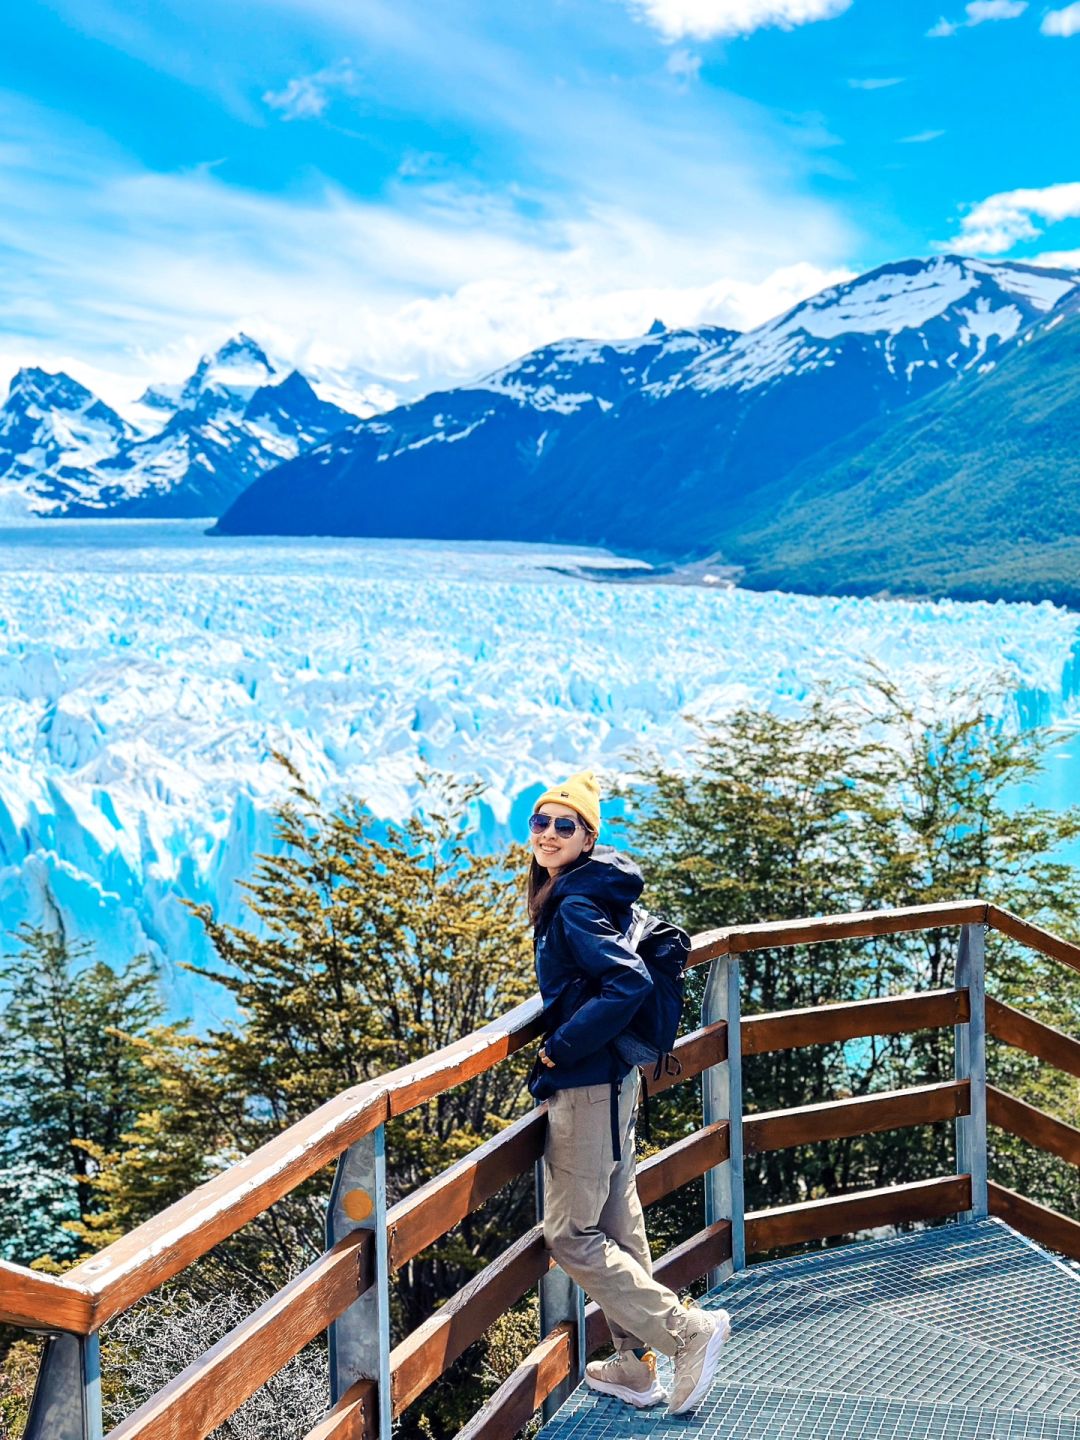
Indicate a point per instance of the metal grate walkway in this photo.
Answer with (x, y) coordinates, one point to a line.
(966, 1332)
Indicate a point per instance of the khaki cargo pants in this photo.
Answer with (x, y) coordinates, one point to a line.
(593, 1223)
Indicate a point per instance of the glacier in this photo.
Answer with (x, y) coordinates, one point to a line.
(148, 671)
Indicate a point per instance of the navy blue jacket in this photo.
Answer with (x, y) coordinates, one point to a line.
(591, 981)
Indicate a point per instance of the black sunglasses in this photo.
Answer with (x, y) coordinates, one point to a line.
(564, 826)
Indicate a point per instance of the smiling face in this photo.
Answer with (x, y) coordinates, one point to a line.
(553, 851)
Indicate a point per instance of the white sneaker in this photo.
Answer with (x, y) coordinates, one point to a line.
(698, 1356)
(627, 1377)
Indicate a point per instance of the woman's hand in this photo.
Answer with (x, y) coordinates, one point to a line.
(544, 1059)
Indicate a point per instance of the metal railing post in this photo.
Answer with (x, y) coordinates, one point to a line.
(970, 1065)
(560, 1300)
(360, 1336)
(721, 1090)
(67, 1396)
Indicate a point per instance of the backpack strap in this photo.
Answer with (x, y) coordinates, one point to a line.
(616, 1145)
(637, 930)
(613, 1107)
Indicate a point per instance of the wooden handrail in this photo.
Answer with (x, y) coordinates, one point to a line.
(841, 1215)
(1032, 1124)
(1033, 936)
(861, 1115)
(432, 1347)
(827, 1024)
(43, 1301)
(215, 1385)
(685, 1160)
(738, 939)
(110, 1281)
(522, 1393)
(440, 1203)
(1039, 1222)
(160, 1248)
(354, 1417)
(1013, 1027)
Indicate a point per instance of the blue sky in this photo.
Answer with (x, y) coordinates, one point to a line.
(426, 190)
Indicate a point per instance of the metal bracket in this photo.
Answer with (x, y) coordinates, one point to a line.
(67, 1396)
(970, 1065)
(721, 1094)
(360, 1337)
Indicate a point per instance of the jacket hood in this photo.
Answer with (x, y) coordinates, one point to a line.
(605, 875)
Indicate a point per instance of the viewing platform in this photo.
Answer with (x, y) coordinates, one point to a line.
(966, 1327)
(963, 1332)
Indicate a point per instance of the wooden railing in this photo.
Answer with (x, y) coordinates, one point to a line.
(346, 1287)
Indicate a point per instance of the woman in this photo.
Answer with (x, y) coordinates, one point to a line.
(580, 897)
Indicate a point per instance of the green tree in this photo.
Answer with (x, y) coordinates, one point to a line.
(375, 944)
(954, 824)
(840, 808)
(763, 826)
(70, 1077)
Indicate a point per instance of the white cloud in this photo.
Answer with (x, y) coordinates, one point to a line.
(997, 223)
(137, 273)
(981, 10)
(684, 65)
(743, 305)
(1058, 259)
(423, 344)
(977, 13)
(1062, 22)
(921, 138)
(306, 96)
(875, 84)
(708, 19)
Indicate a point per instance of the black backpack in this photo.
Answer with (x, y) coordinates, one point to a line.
(650, 1037)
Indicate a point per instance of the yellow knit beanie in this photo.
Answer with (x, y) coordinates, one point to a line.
(582, 792)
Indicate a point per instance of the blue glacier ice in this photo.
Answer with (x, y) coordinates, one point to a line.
(147, 671)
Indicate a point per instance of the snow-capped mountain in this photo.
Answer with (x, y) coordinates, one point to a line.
(917, 316)
(655, 445)
(51, 426)
(64, 452)
(216, 443)
(573, 375)
(479, 444)
(233, 374)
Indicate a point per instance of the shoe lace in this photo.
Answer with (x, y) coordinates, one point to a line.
(692, 1309)
(613, 1363)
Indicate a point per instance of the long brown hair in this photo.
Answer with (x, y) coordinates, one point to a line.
(540, 881)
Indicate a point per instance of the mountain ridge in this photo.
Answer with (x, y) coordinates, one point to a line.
(657, 445)
(761, 451)
(64, 452)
